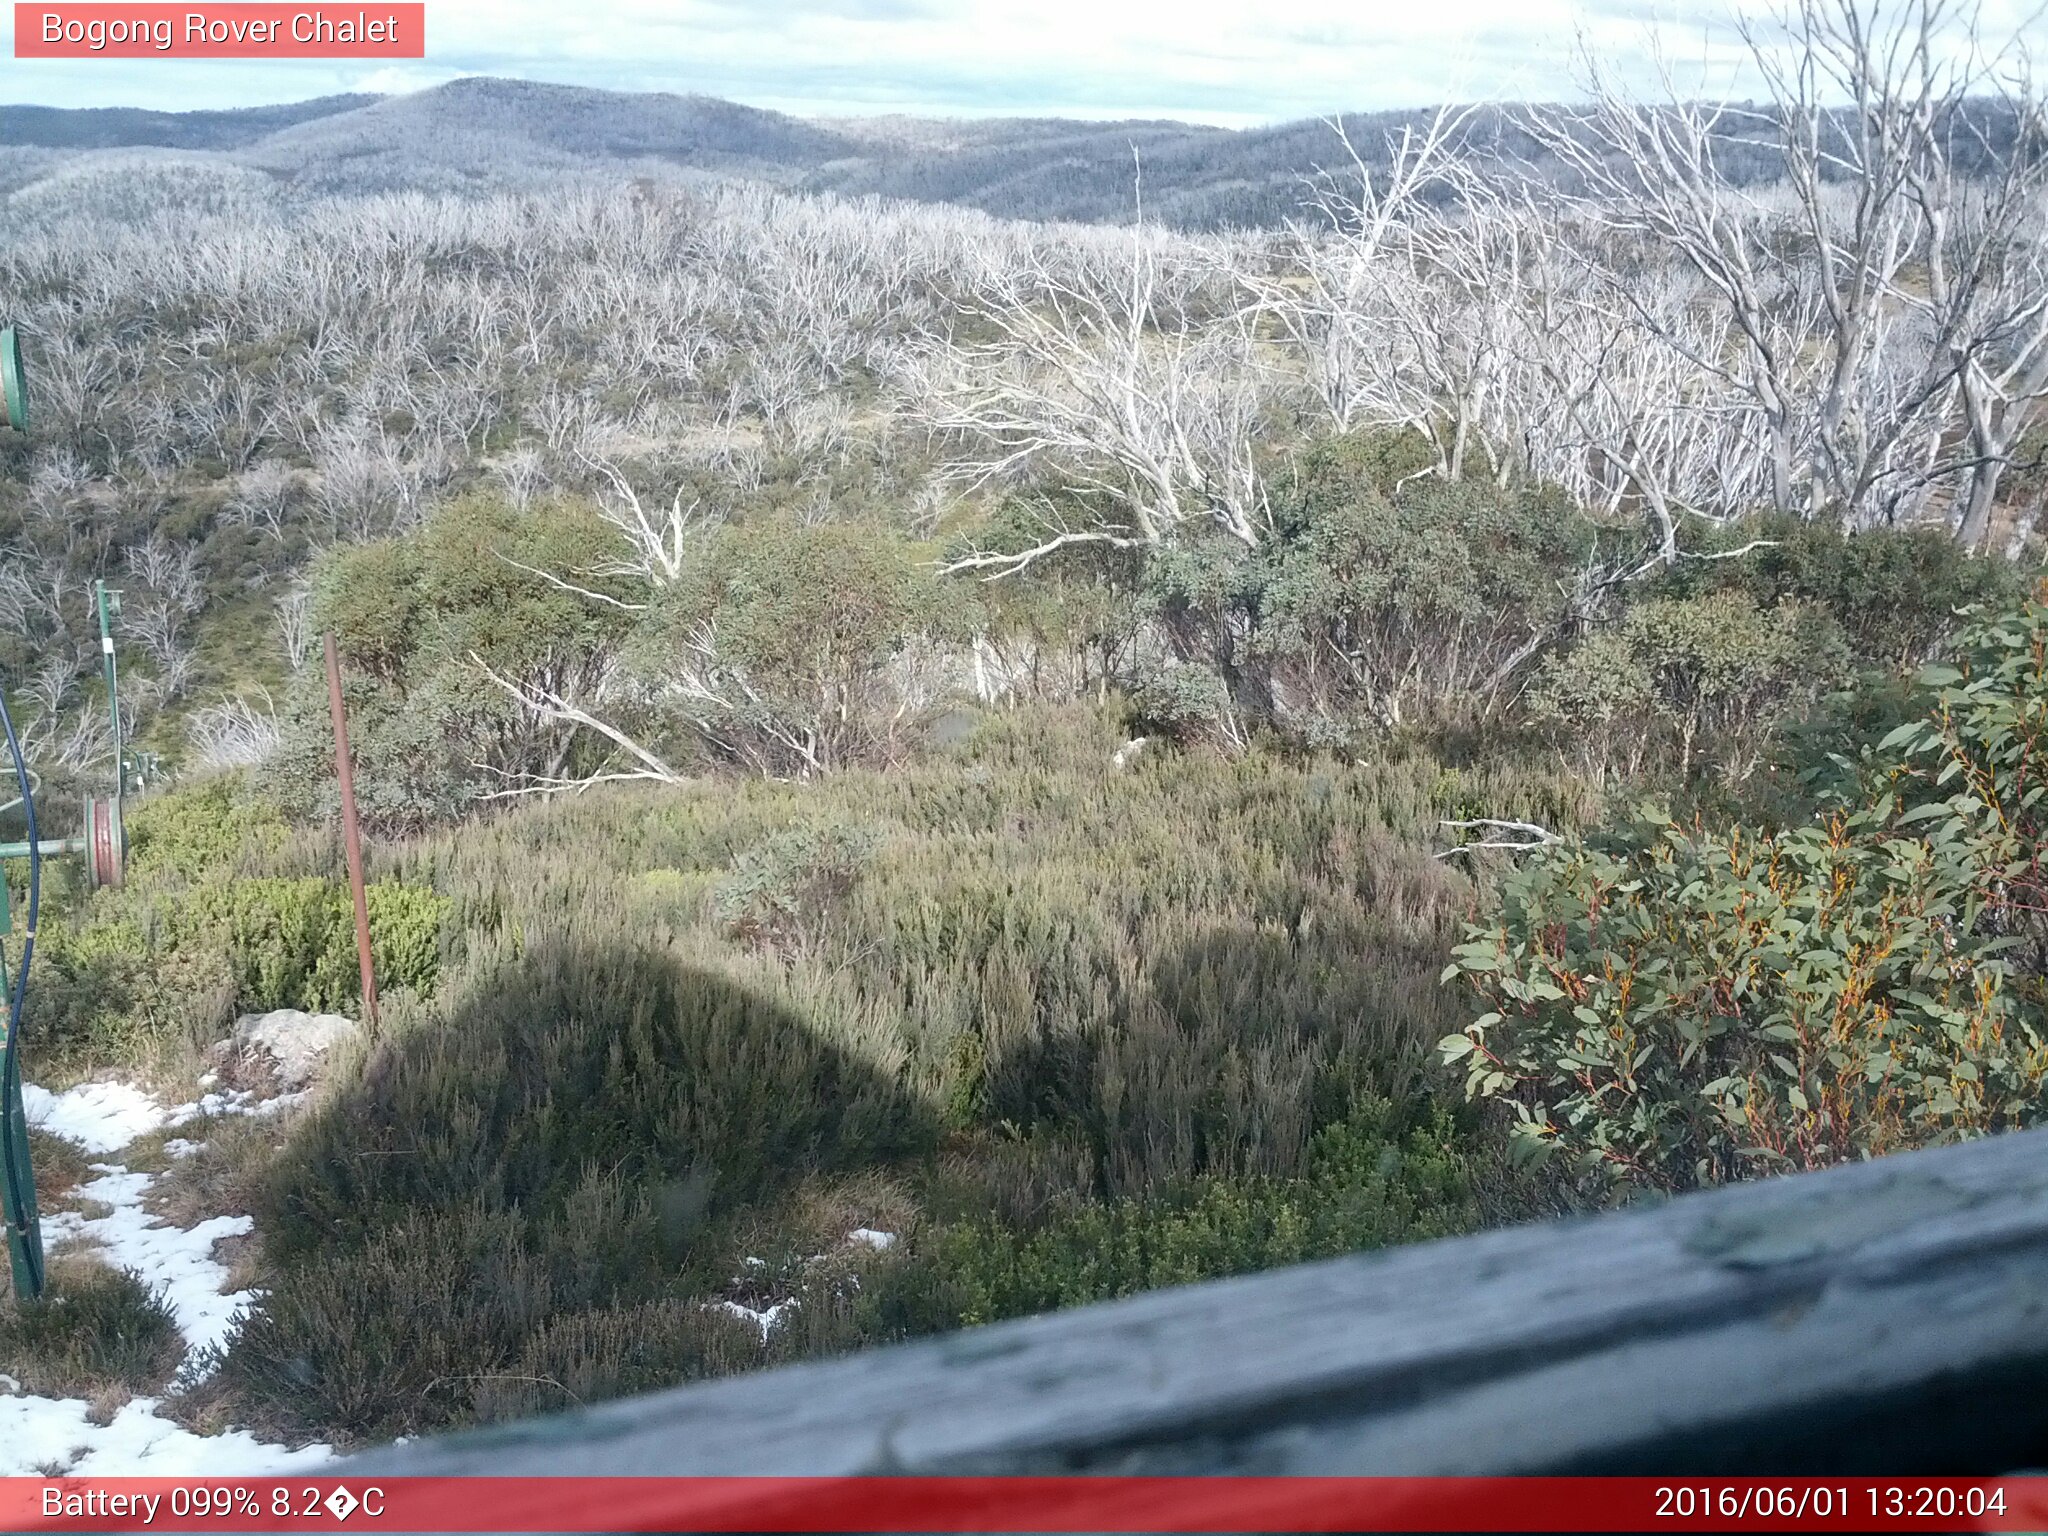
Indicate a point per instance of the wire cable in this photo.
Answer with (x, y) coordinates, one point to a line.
(20, 1179)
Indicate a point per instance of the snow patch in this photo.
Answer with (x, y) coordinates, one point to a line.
(105, 1117)
(179, 1262)
(37, 1432)
(100, 1117)
(234, 1101)
(765, 1321)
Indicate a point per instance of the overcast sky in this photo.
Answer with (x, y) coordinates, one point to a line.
(1238, 64)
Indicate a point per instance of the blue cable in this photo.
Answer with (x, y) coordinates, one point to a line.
(10, 1067)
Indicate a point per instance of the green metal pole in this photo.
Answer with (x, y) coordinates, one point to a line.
(24, 1228)
(49, 848)
(109, 604)
(24, 1225)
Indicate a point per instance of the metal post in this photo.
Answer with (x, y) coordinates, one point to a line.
(351, 836)
(105, 830)
(24, 1227)
(109, 604)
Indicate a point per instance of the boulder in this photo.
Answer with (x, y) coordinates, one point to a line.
(292, 1045)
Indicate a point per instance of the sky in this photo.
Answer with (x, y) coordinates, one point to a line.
(1237, 63)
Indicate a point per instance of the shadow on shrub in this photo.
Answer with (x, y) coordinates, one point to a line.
(525, 1203)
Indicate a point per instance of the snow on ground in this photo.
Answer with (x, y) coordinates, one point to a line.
(763, 1320)
(100, 1117)
(105, 1117)
(40, 1432)
(180, 1263)
(766, 1318)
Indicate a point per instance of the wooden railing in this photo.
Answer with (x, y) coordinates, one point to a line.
(1886, 1317)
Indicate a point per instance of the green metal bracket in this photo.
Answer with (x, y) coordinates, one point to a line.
(13, 392)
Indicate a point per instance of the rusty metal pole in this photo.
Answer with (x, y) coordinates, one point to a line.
(352, 837)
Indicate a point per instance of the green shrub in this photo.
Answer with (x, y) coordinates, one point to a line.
(162, 964)
(199, 830)
(787, 635)
(1371, 603)
(780, 892)
(92, 1328)
(293, 942)
(1377, 1177)
(1894, 593)
(1684, 1005)
(1690, 679)
(412, 619)
(1183, 702)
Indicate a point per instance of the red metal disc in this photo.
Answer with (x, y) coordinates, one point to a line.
(103, 842)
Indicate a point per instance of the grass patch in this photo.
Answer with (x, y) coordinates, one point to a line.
(1000, 1003)
(92, 1331)
(221, 1177)
(60, 1167)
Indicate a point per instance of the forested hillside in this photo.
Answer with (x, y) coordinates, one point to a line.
(923, 765)
(512, 135)
(475, 135)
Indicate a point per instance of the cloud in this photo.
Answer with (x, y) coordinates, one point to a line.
(1218, 61)
(403, 79)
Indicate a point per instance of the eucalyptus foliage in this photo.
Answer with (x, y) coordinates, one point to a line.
(1681, 1004)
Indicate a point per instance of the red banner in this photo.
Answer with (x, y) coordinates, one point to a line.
(211, 31)
(1053, 1504)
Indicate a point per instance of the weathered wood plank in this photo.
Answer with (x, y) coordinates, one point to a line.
(1891, 1316)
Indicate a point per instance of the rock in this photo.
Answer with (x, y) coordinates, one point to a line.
(1124, 754)
(291, 1045)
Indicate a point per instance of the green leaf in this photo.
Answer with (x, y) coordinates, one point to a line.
(1925, 812)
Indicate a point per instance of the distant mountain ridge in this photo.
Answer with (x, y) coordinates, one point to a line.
(134, 127)
(477, 133)
(485, 130)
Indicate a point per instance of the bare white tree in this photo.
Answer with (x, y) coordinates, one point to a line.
(233, 733)
(1117, 387)
(660, 542)
(1872, 218)
(261, 496)
(294, 625)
